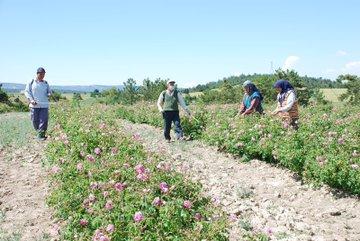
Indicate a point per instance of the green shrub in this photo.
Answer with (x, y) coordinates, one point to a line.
(102, 177)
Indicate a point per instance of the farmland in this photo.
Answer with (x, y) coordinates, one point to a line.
(111, 176)
(100, 165)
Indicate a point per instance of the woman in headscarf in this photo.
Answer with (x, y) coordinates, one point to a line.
(287, 106)
(251, 102)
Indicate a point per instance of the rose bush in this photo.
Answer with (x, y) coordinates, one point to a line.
(325, 149)
(97, 192)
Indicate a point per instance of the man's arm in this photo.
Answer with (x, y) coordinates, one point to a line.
(28, 93)
(160, 102)
(182, 103)
(49, 91)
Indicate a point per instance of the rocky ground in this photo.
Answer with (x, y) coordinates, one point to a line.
(258, 196)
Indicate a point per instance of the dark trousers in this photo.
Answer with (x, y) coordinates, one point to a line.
(169, 117)
(40, 118)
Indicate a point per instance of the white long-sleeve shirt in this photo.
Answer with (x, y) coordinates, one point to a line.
(38, 91)
(289, 101)
(180, 98)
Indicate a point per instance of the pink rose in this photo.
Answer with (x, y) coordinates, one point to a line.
(187, 204)
(164, 187)
(138, 217)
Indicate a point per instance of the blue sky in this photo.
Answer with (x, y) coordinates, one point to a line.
(190, 41)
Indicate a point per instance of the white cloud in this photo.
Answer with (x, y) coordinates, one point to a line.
(341, 53)
(290, 62)
(352, 68)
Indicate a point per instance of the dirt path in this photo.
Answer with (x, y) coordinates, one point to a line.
(23, 189)
(259, 196)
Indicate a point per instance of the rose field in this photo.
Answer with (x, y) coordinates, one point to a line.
(106, 186)
(111, 176)
(325, 149)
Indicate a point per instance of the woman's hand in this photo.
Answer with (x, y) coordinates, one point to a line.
(275, 112)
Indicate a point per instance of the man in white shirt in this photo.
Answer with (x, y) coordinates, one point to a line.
(37, 92)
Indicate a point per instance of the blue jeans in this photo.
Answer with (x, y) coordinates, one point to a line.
(40, 118)
(169, 117)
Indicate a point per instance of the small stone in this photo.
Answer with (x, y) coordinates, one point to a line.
(335, 213)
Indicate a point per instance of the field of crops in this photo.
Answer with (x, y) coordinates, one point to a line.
(105, 185)
(324, 150)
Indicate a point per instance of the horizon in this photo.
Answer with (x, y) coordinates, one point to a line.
(140, 84)
(191, 42)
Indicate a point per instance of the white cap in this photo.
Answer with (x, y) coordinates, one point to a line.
(170, 81)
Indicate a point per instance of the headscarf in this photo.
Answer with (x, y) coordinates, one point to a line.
(252, 88)
(285, 86)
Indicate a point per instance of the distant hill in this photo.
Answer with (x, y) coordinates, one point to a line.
(12, 87)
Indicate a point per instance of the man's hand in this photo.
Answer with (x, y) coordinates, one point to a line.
(33, 102)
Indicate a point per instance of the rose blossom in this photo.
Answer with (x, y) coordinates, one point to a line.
(55, 169)
(120, 186)
(164, 187)
(197, 216)
(90, 158)
(79, 167)
(187, 204)
(157, 202)
(143, 177)
(110, 228)
(109, 205)
(84, 222)
(97, 151)
(139, 169)
(138, 217)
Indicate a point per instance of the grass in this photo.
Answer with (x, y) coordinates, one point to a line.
(9, 237)
(15, 129)
(332, 95)
(70, 95)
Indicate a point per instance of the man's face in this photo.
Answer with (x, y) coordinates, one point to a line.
(40, 76)
(171, 85)
(278, 89)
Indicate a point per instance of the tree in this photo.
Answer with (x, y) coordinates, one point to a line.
(112, 96)
(95, 93)
(130, 92)
(150, 90)
(265, 85)
(352, 85)
(186, 91)
(3, 95)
